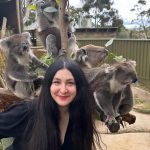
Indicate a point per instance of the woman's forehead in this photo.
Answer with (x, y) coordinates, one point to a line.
(63, 74)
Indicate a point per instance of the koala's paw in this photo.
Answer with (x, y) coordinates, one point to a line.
(32, 76)
(45, 66)
(112, 124)
(118, 118)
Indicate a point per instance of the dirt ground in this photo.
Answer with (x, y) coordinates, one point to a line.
(132, 137)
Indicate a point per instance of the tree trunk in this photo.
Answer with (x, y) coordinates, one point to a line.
(63, 25)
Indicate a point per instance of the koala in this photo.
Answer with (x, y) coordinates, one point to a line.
(111, 86)
(90, 56)
(48, 27)
(21, 65)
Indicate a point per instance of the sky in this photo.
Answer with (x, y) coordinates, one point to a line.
(123, 6)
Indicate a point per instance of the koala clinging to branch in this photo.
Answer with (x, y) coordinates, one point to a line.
(48, 27)
(90, 56)
(21, 64)
(112, 91)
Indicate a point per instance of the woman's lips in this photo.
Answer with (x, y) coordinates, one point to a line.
(63, 97)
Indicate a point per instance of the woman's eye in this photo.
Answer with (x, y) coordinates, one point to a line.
(71, 83)
(56, 82)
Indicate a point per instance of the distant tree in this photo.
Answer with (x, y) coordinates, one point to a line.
(100, 11)
(76, 13)
(111, 18)
(94, 8)
(142, 17)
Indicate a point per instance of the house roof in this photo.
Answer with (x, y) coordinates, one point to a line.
(101, 29)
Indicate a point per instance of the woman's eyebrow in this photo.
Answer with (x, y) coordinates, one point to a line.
(70, 79)
(55, 78)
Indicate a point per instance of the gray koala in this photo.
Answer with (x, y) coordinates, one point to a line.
(21, 65)
(48, 27)
(112, 91)
(90, 56)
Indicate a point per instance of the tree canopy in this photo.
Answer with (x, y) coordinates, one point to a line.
(142, 18)
(99, 11)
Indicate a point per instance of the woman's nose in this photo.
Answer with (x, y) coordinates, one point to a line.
(63, 88)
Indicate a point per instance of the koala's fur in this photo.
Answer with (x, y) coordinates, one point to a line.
(48, 28)
(90, 56)
(21, 64)
(112, 91)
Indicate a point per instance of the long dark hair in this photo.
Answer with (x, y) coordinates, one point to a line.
(43, 130)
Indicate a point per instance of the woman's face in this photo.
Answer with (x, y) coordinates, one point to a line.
(63, 88)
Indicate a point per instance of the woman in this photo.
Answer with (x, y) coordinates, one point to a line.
(59, 119)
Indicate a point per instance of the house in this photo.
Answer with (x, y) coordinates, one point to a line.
(96, 33)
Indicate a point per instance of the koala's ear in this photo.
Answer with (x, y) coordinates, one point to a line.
(110, 69)
(84, 52)
(26, 34)
(84, 55)
(132, 63)
(4, 44)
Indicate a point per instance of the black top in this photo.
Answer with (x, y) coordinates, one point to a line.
(14, 120)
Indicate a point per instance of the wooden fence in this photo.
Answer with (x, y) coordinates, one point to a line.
(138, 50)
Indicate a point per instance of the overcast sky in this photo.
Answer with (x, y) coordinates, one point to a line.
(123, 6)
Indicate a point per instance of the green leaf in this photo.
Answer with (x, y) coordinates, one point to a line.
(32, 7)
(119, 58)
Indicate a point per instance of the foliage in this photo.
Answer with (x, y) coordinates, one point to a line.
(31, 19)
(98, 4)
(114, 58)
(32, 7)
(47, 59)
(75, 13)
(142, 17)
(123, 33)
(99, 11)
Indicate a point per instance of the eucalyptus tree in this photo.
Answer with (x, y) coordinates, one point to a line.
(94, 9)
(142, 17)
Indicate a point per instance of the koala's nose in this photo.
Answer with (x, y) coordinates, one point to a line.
(25, 48)
(134, 80)
(69, 34)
